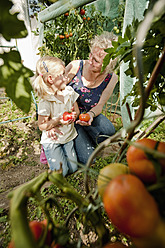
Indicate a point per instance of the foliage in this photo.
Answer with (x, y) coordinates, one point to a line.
(152, 50)
(14, 77)
(158, 133)
(68, 36)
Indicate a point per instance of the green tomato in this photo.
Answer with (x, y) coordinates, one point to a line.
(108, 173)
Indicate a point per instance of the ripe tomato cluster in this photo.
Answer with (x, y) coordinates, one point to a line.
(127, 202)
(37, 228)
(139, 162)
(67, 35)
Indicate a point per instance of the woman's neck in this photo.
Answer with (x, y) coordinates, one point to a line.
(91, 78)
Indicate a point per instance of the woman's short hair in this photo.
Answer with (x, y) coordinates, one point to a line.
(104, 41)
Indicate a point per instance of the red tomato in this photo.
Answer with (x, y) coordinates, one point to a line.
(82, 12)
(140, 164)
(66, 35)
(115, 245)
(61, 36)
(11, 244)
(84, 117)
(37, 229)
(130, 206)
(66, 14)
(67, 116)
(56, 246)
(84, 18)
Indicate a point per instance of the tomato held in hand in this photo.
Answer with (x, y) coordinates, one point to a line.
(67, 116)
(140, 164)
(82, 12)
(130, 206)
(84, 117)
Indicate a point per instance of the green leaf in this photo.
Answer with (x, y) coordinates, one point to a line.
(10, 26)
(15, 78)
(161, 98)
(106, 61)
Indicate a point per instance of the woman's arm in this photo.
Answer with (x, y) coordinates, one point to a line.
(71, 69)
(105, 96)
(95, 111)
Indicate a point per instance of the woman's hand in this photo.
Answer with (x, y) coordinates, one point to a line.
(86, 123)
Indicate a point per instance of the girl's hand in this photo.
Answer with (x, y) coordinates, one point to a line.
(52, 133)
(74, 116)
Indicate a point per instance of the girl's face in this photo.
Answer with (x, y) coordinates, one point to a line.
(59, 80)
(96, 57)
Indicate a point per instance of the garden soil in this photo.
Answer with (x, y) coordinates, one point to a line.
(12, 176)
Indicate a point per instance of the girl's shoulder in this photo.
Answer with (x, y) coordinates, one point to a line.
(68, 88)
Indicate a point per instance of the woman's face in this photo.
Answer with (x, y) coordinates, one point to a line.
(96, 57)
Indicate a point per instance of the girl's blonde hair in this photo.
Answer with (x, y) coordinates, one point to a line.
(103, 42)
(45, 66)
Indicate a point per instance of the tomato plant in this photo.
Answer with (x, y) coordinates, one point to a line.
(82, 32)
(84, 117)
(67, 116)
(143, 164)
(130, 207)
(108, 173)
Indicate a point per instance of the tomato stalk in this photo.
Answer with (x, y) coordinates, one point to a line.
(21, 233)
(82, 203)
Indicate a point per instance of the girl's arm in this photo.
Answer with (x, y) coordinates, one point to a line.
(45, 123)
(75, 110)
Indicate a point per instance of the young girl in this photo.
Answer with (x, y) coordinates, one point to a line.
(56, 98)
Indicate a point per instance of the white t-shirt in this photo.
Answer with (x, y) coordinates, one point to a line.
(54, 108)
